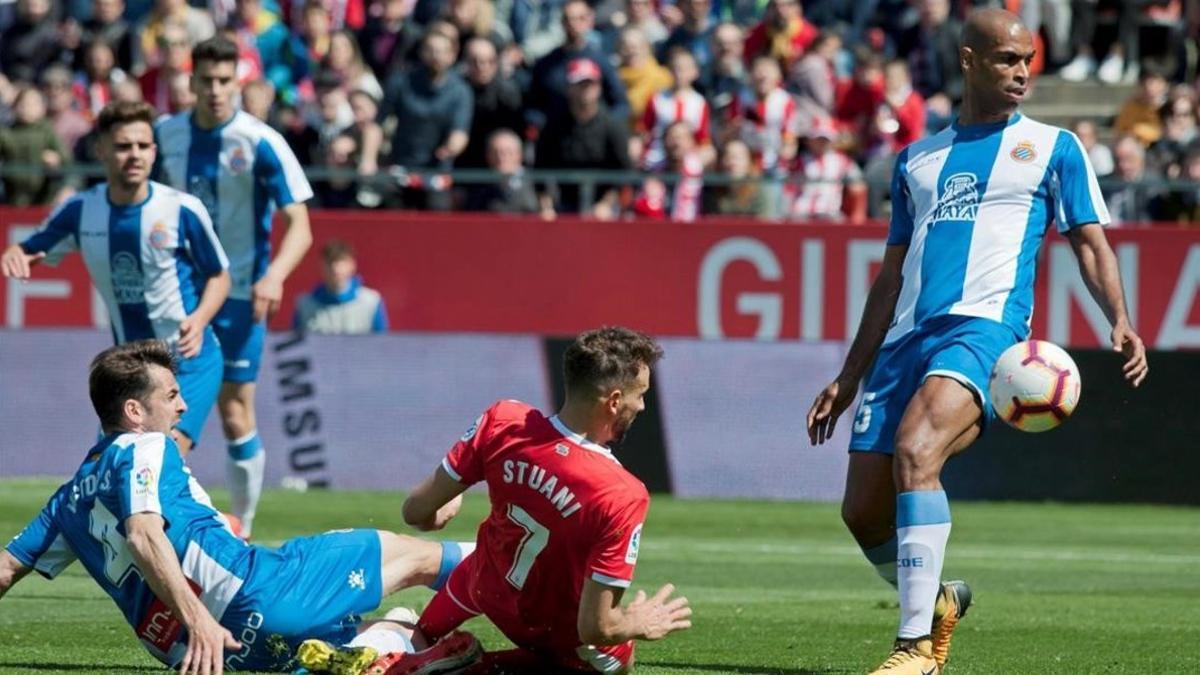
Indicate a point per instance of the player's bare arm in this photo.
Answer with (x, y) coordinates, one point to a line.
(159, 566)
(603, 621)
(18, 264)
(877, 317)
(1098, 266)
(11, 571)
(434, 502)
(268, 291)
(191, 329)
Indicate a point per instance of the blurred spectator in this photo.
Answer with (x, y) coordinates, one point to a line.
(1083, 36)
(109, 25)
(338, 192)
(497, 101)
(283, 56)
(299, 135)
(177, 59)
(1179, 137)
(388, 41)
(315, 30)
(900, 118)
(681, 204)
(32, 141)
(547, 97)
(744, 198)
(332, 113)
(180, 96)
(862, 95)
(679, 104)
(366, 132)
(588, 137)
(340, 304)
(729, 73)
(783, 34)
(257, 99)
(766, 119)
(1098, 153)
(851, 19)
(1128, 201)
(351, 14)
(932, 49)
(432, 106)
(640, 72)
(1053, 19)
(814, 78)
(1183, 205)
(1139, 116)
(93, 86)
(477, 19)
(62, 109)
(538, 27)
(694, 35)
(821, 176)
(345, 60)
(640, 15)
(515, 193)
(197, 26)
(31, 43)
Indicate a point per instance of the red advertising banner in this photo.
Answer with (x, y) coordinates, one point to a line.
(719, 278)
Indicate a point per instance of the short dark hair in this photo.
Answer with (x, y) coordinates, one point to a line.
(607, 357)
(217, 49)
(120, 373)
(118, 113)
(336, 249)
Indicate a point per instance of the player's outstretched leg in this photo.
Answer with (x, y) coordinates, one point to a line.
(952, 604)
(456, 650)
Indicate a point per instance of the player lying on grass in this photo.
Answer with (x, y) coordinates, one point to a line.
(558, 550)
(199, 598)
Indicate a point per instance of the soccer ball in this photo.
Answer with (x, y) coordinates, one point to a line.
(1034, 386)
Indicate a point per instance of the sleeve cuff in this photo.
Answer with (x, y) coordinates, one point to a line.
(610, 581)
(450, 470)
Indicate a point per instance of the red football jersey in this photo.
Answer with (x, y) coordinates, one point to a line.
(563, 510)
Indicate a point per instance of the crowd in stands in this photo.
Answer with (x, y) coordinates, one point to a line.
(781, 109)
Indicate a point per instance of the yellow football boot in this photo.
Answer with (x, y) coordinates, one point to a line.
(318, 656)
(952, 605)
(910, 657)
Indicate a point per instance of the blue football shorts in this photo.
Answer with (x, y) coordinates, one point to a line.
(241, 340)
(310, 588)
(962, 348)
(199, 383)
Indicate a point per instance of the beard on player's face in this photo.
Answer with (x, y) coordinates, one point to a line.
(620, 427)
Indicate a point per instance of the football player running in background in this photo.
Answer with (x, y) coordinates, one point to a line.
(151, 253)
(558, 550)
(242, 170)
(146, 532)
(970, 208)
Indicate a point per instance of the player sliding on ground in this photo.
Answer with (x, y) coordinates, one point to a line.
(558, 550)
(970, 206)
(199, 598)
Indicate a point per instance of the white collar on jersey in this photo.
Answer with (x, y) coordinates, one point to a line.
(578, 439)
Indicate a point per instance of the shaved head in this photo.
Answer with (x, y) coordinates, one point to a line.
(997, 50)
(987, 27)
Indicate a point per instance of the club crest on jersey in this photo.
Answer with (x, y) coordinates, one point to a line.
(471, 432)
(960, 198)
(1024, 152)
(159, 237)
(127, 280)
(635, 542)
(237, 161)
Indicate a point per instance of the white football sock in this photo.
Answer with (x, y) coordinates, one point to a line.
(245, 466)
(383, 639)
(883, 557)
(922, 529)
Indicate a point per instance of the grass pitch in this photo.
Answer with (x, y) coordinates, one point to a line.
(777, 588)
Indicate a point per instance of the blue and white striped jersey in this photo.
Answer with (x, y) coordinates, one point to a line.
(149, 261)
(972, 204)
(242, 171)
(127, 474)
